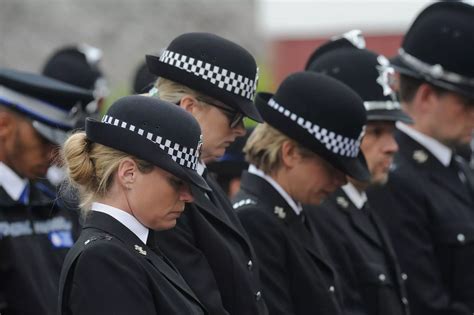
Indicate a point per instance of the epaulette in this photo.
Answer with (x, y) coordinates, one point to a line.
(244, 202)
(94, 238)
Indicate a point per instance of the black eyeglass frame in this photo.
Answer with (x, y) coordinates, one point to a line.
(235, 117)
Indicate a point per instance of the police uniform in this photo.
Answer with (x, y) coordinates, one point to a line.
(322, 115)
(36, 229)
(209, 246)
(356, 239)
(426, 206)
(111, 269)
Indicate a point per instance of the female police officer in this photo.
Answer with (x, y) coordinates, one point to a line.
(310, 140)
(214, 79)
(132, 169)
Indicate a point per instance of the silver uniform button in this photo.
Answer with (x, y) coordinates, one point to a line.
(258, 295)
(250, 265)
(404, 276)
(461, 238)
(404, 301)
(332, 289)
(382, 277)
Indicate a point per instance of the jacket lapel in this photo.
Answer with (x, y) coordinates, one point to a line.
(274, 202)
(357, 218)
(111, 226)
(438, 174)
(212, 205)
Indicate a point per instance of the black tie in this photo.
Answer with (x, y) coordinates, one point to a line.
(306, 222)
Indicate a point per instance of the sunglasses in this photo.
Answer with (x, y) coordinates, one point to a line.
(235, 117)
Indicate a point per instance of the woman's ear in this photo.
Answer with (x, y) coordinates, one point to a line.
(127, 173)
(289, 154)
(188, 103)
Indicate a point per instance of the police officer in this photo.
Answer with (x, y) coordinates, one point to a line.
(302, 153)
(134, 169)
(36, 231)
(356, 239)
(215, 80)
(428, 201)
(79, 65)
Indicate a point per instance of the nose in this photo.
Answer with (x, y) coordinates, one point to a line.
(185, 194)
(391, 145)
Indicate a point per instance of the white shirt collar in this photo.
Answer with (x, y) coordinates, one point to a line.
(11, 182)
(295, 206)
(201, 167)
(125, 218)
(439, 150)
(357, 198)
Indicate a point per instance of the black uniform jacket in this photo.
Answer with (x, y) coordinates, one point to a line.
(296, 276)
(34, 240)
(363, 255)
(213, 253)
(111, 271)
(430, 215)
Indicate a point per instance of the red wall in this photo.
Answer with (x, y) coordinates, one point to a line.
(287, 56)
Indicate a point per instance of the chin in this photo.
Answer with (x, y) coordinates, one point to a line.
(166, 225)
(379, 180)
(316, 201)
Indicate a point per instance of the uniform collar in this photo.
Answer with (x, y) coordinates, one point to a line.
(201, 167)
(439, 150)
(295, 206)
(357, 198)
(13, 184)
(125, 218)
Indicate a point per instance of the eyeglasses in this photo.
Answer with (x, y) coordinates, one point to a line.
(235, 117)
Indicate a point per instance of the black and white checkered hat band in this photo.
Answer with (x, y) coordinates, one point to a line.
(434, 71)
(334, 142)
(223, 78)
(184, 156)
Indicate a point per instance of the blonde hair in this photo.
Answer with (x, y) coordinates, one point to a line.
(173, 92)
(91, 167)
(263, 148)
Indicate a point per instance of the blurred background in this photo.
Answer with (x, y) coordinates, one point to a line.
(280, 33)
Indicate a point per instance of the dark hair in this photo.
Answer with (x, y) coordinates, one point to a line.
(409, 86)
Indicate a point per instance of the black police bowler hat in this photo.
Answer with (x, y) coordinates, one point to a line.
(213, 66)
(77, 65)
(366, 72)
(143, 79)
(439, 47)
(323, 115)
(152, 130)
(53, 106)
